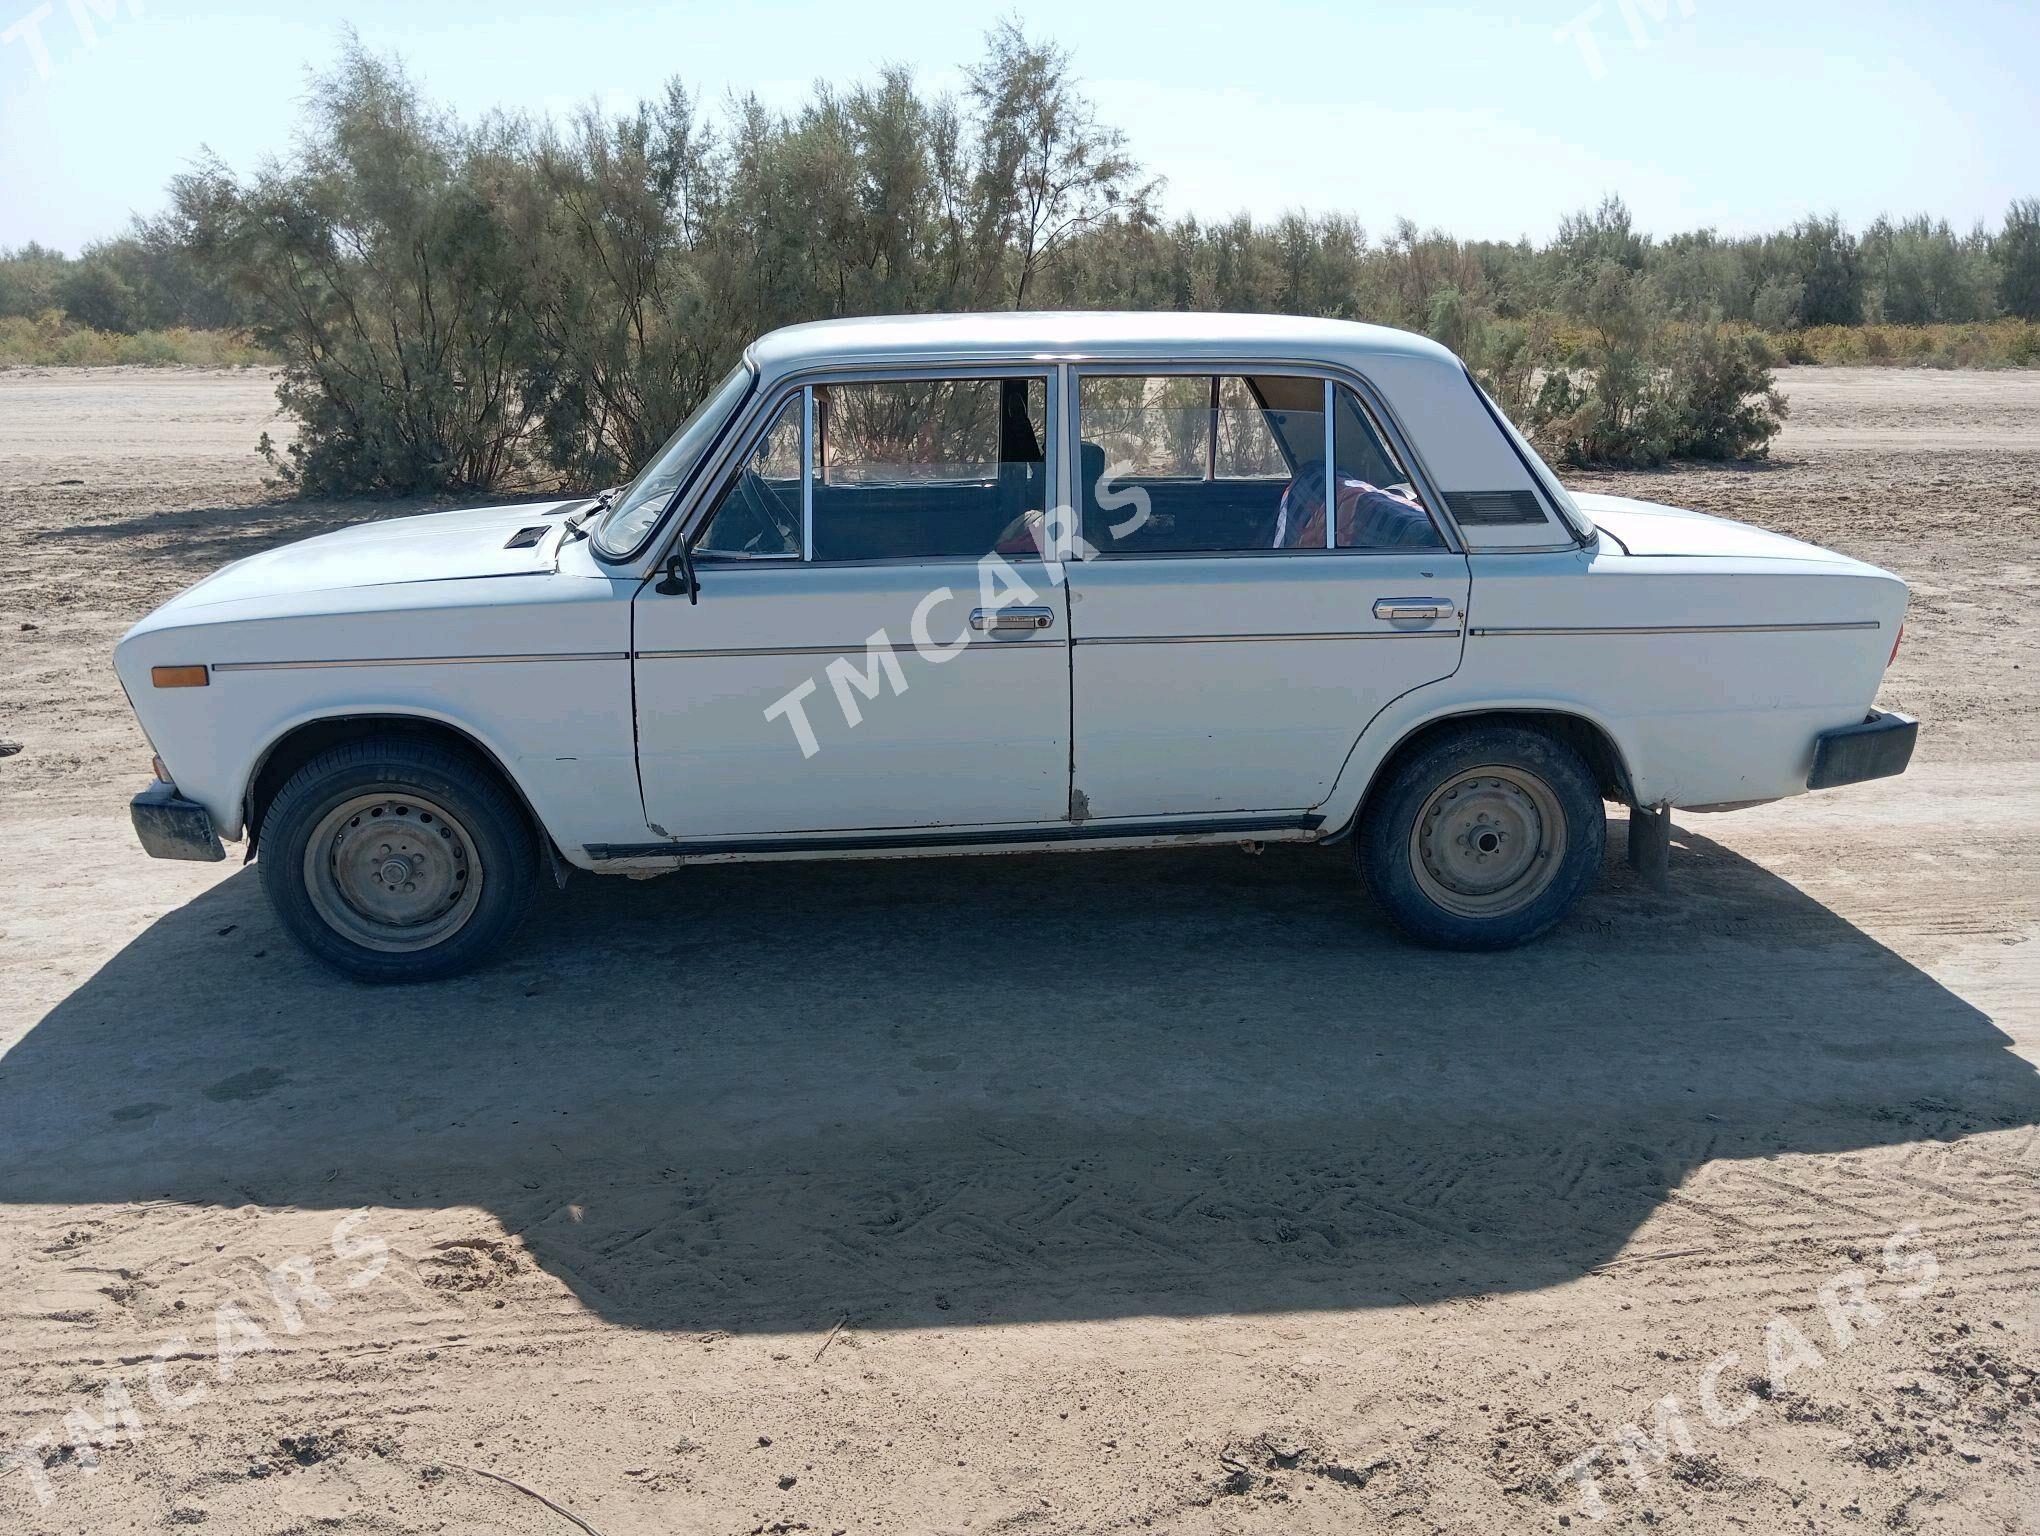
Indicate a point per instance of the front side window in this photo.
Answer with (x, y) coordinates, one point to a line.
(1207, 464)
(895, 469)
(918, 469)
(643, 502)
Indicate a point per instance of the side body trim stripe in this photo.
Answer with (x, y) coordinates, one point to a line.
(1074, 832)
(856, 648)
(1679, 629)
(417, 661)
(1355, 634)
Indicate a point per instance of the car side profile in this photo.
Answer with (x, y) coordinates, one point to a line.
(980, 583)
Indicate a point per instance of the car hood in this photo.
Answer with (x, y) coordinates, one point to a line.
(1646, 528)
(438, 546)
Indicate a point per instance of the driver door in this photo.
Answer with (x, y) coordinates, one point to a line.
(844, 668)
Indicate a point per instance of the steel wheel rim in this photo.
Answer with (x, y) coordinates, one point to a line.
(393, 871)
(1488, 842)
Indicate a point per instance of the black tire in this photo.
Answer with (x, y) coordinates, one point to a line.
(452, 825)
(1538, 811)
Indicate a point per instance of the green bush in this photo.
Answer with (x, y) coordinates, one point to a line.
(49, 340)
(463, 305)
(1640, 389)
(98, 298)
(378, 267)
(2003, 343)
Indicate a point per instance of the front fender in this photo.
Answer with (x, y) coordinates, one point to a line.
(366, 714)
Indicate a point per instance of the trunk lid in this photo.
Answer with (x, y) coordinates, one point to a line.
(1648, 528)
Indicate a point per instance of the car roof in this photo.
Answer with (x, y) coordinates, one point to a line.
(1168, 335)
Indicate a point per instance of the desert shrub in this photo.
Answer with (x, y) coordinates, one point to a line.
(1642, 389)
(376, 265)
(1920, 272)
(1511, 361)
(2002, 343)
(97, 297)
(459, 306)
(50, 340)
(1826, 264)
(2017, 254)
(28, 280)
(1777, 304)
(1719, 399)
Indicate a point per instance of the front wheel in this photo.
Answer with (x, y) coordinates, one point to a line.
(393, 859)
(1484, 837)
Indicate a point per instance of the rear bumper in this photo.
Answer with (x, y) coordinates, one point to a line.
(1876, 749)
(172, 827)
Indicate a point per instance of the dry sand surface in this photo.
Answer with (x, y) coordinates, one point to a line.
(1033, 1194)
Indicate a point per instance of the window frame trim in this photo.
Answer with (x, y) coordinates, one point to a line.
(1370, 400)
(693, 521)
(662, 525)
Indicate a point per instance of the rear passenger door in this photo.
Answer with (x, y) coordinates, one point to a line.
(1231, 640)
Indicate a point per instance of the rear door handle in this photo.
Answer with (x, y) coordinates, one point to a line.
(993, 620)
(1413, 608)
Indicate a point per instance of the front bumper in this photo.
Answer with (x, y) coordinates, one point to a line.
(172, 827)
(1876, 749)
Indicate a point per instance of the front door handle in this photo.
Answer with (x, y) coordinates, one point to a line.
(994, 620)
(1413, 608)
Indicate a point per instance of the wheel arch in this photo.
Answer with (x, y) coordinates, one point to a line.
(1586, 735)
(300, 742)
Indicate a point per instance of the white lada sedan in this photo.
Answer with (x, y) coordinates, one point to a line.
(982, 583)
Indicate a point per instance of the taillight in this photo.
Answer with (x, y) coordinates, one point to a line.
(1895, 645)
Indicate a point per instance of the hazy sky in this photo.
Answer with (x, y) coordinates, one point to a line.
(1489, 121)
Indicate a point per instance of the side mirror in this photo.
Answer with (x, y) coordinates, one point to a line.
(680, 576)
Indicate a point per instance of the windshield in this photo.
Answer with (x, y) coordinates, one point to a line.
(638, 506)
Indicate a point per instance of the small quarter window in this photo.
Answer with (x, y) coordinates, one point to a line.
(758, 517)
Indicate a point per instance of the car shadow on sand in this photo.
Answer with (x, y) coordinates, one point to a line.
(1010, 1089)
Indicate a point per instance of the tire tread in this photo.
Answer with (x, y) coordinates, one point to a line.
(1393, 808)
(487, 809)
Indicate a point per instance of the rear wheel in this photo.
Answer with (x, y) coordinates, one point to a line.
(1484, 837)
(393, 859)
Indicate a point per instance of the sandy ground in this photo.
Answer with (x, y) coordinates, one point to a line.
(1032, 1194)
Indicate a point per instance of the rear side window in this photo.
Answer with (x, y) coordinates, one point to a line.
(1208, 464)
